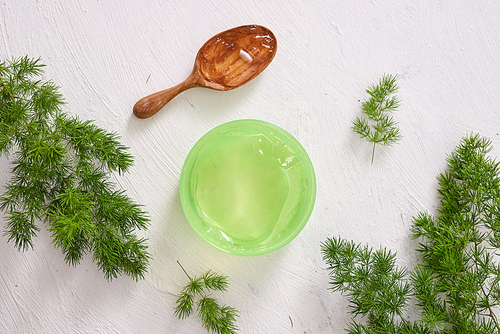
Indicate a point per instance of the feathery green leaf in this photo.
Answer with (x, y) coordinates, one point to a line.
(60, 176)
(380, 127)
(215, 318)
(456, 283)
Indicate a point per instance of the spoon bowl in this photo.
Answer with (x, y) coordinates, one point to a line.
(227, 61)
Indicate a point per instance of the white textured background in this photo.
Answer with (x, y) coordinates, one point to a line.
(445, 54)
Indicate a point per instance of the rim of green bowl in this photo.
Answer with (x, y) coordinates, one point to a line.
(196, 221)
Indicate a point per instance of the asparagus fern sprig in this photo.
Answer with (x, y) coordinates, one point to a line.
(214, 317)
(456, 283)
(61, 169)
(380, 127)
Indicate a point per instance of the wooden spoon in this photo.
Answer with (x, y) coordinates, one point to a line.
(226, 61)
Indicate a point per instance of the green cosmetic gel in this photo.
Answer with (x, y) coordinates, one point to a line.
(242, 187)
(247, 187)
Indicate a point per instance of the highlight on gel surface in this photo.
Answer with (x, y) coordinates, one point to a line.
(247, 187)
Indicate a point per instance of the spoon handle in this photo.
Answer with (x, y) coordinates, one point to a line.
(151, 104)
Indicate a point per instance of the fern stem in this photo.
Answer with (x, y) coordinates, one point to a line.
(185, 272)
(373, 150)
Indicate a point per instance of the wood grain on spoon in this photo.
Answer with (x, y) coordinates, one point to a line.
(226, 61)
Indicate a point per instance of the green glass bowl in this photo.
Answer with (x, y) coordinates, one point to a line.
(247, 187)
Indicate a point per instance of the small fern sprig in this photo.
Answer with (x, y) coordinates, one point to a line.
(375, 287)
(380, 128)
(214, 317)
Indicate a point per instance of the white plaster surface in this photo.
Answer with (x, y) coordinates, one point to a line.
(105, 55)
